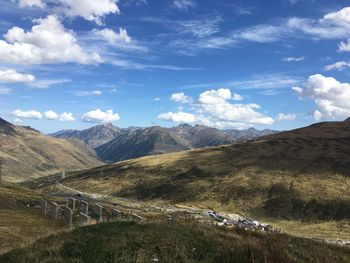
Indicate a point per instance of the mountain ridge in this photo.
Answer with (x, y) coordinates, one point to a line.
(115, 144)
(27, 153)
(295, 174)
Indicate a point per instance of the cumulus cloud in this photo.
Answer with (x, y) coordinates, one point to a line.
(180, 97)
(31, 114)
(48, 42)
(12, 76)
(340, 65)
(293, 59)
(178, 117)
(31, 3)
(66, 116)
(286, 117)
(330, 96)
(184, 4)
(341, 17)
(215, 96)
(215, 103)
(90, 10)
(214, 108)
(113, 37)
(98, 116)
(50, 115)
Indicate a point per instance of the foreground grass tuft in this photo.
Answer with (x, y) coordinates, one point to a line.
(184, 242)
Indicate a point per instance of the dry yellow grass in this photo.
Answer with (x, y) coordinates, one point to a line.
(19, 225)
(29, 154)
(302, 175)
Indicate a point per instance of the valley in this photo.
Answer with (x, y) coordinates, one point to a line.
(295, 182)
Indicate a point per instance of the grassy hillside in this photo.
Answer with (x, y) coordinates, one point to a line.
(302, 174)
(26, 153)
(19, 225)
(178, 242)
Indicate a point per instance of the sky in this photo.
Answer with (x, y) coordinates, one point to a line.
(73, 64)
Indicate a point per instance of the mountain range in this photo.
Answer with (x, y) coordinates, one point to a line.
(115, 144)
(301, 173)
(27, 153)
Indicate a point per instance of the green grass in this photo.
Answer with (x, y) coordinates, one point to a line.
(178, 242)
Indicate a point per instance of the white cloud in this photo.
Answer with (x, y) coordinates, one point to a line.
(91, 10)
(66, 116)
(344, 46)
(286, 117)
(98, 116)
(293, 59)
(317, 115)
(156, 99)
(31, 114)
(198, 28)
(215, 96)
(12, 76)
(48, 42)
(266, 81)
(214, 104)
(213, 108)
(341, 17)
(5, 90)
(47, 83)
(50, 115)
(184, 4)
(331, 97)
(261, 33)
(177, 117)
(89, 93)
(318, 29)
(237, 97)
(31, 3)
(327, 27)
(113, 37)
(340, 65)
(180, 97)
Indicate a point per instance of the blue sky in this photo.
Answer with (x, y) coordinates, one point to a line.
(72, 64)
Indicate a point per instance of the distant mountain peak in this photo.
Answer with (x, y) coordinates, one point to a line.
(108, 124)
(6, 127)
(348, 119)
(184, 125)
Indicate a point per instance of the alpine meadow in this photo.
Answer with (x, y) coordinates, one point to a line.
(174, 131)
